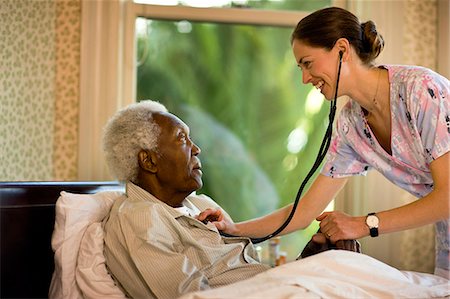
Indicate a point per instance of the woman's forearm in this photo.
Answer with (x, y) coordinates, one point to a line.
(321, 192)
(427, 210)
(262, 226)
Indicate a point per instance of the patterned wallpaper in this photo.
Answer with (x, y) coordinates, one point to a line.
(67, 89)
(27, 94)
(421, 32)
(39, 54)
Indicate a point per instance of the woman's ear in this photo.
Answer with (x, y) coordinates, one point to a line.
(147, 161)
(343, 46)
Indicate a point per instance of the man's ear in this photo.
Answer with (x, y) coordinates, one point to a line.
(147, 160)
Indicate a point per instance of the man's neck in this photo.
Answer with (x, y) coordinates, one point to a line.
(170, 197)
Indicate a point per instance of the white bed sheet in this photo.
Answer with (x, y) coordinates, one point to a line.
(333, 274)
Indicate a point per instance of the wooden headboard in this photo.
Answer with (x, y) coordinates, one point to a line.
(27, 219)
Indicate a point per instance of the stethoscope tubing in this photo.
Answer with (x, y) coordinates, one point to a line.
(320, 156)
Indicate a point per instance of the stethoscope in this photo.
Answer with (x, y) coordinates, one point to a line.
(320, 156)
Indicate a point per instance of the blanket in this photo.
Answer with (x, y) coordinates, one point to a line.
(333, 274)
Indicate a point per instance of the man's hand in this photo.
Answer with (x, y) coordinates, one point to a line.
(320, 243)
(350, 245)
(317, 244)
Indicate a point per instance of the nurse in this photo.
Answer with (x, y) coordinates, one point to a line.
(397, 122)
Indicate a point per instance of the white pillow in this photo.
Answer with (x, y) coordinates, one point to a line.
(74, 213)
(91, 275)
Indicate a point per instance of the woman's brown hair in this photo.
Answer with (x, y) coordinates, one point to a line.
(324, 27)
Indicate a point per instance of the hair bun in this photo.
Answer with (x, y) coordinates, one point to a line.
(373, 42)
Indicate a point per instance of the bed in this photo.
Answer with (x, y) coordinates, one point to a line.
(330, 274)
(52, 245)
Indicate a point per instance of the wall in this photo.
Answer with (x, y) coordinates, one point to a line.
(39, 75)
(444, 38)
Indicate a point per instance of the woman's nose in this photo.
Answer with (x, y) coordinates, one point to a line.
(306, 77)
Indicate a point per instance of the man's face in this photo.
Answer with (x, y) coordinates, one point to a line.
(178, 166)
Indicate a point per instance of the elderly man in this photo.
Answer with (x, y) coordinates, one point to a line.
(154, 245)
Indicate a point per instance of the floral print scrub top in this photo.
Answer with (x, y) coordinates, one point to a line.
(420, 133)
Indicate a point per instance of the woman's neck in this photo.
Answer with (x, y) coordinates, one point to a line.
(370, 89)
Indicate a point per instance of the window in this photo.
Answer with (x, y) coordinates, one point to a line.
(237, 86)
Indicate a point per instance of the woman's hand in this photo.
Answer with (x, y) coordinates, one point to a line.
(340, 226)
(218, 218)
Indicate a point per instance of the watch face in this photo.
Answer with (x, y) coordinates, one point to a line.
(372, 221)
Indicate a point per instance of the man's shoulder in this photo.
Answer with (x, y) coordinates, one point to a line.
(202, 201)
(128, 207)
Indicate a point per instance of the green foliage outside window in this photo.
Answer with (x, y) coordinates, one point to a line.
(239, 90)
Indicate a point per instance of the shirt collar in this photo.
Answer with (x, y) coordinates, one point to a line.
(188, 207)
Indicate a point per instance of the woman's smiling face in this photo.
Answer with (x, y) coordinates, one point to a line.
(318, 66)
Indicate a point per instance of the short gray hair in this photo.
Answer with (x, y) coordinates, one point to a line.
(129, 131)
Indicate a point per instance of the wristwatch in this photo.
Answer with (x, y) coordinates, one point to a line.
(372, 222)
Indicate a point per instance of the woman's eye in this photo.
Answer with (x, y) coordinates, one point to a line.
(307, 64)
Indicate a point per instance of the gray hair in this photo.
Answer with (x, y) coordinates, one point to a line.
(129, 131)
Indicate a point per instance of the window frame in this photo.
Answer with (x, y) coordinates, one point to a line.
(247, 16)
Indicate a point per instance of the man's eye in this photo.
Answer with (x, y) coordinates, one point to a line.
(182, 137)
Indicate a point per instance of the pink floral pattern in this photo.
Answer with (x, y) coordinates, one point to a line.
(420, 133)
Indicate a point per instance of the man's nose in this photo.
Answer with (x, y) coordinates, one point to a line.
(195, 149)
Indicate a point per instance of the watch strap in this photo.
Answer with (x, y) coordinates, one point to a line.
(373, 230)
